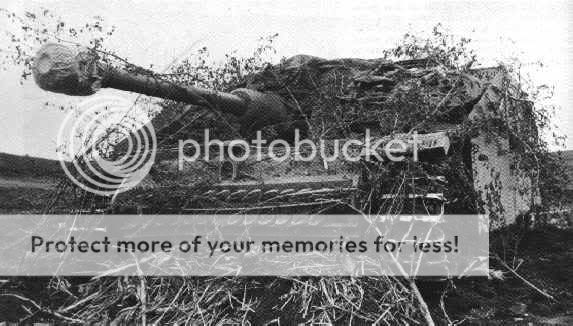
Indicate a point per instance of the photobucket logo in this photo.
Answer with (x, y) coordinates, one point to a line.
(106, 146)
(351, 150)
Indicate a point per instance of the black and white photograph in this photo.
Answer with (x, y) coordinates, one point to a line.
(259, 162)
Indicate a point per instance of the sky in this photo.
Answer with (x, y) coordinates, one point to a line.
(157, 32)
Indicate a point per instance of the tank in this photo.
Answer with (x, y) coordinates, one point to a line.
(419, 102)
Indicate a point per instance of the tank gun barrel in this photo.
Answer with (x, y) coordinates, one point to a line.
(155, 87)
(79, 72)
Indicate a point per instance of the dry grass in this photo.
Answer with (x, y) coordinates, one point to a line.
(244, 300)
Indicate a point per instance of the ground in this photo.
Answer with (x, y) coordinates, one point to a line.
(542, 255)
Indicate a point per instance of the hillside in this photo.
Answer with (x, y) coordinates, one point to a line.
(26, 183)
(27, 166)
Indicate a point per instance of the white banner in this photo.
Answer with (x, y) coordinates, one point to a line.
(256, 245)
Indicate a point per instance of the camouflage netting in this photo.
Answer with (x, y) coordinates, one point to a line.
(343, 97)
(340, 98)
